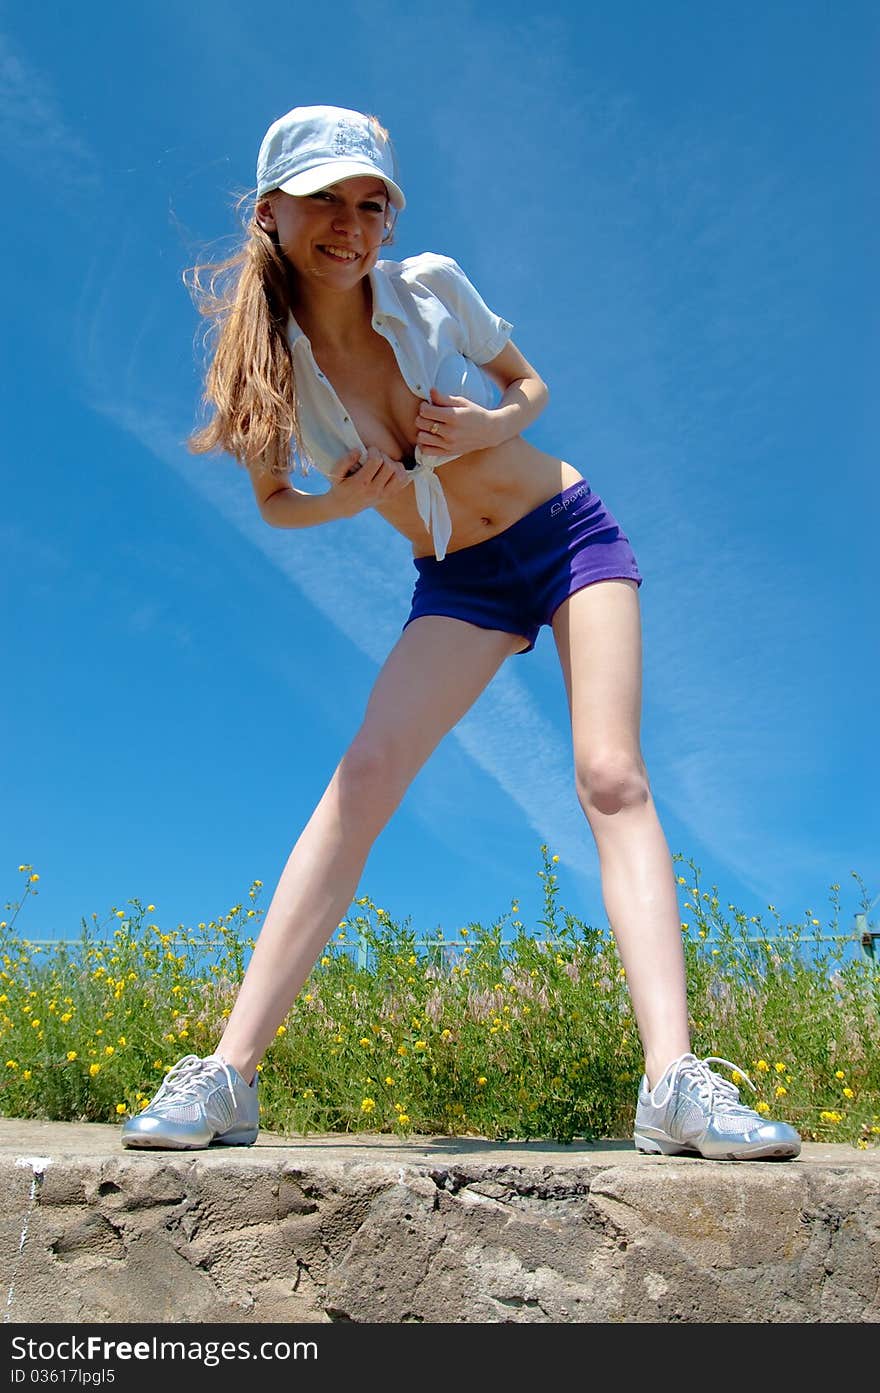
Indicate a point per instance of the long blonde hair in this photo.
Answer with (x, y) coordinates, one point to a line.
(250, 381)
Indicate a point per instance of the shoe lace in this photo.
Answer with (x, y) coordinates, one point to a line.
(718, 1093)
(184, 1080)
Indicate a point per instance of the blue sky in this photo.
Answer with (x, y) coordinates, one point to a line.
(674, 205)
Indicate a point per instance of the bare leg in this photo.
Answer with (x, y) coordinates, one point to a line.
(598, 637)
(435, 672)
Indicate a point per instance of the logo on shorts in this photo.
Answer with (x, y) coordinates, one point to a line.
(579, 492)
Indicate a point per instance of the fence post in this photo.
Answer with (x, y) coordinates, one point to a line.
(867, 939)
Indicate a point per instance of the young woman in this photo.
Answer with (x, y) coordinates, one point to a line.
(380, 372)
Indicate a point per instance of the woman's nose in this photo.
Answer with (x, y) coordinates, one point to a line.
(344, 218)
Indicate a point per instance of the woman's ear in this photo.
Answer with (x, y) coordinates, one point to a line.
(264, 215)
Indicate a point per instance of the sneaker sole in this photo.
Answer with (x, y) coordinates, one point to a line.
(155, 1143)
(665, 1146)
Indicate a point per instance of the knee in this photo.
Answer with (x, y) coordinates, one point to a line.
(609, 781)
(368, 776)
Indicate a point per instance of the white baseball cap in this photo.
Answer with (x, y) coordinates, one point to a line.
(313, 146)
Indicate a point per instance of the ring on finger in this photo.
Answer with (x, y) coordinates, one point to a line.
(435, 427)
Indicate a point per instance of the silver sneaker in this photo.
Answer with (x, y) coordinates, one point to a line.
(200, 1102)
(693, 1109)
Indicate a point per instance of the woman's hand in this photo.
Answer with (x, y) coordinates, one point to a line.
(358, 484)
(454, 426)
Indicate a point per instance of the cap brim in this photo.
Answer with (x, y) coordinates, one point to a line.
(334, 172)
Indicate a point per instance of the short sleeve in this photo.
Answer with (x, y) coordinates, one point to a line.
(484, 332)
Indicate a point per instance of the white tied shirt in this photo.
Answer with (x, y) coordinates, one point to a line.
(441, 331)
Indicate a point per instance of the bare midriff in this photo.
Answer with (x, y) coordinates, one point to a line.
(486, 492)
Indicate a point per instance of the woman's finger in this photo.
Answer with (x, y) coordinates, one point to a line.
(345, 465)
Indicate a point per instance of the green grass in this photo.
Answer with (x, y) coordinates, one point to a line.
(516, 1033)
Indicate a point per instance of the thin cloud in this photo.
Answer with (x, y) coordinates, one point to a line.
(33, 133)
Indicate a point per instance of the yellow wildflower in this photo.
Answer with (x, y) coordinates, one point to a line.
(109, 1050)
(71, 1054)
(368, 1105)
(26, 1074)
(840, 1074)
(282, 1030)
(781, 1092)
(421, 1045)
(121, 1108)
(762, 1066)
(403, 1118)
(482, 1080)
(762, 1107)
(364, 1040)
(848, 1093)
(401, 1049)
(94, 1069)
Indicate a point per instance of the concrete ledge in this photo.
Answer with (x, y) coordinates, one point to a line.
(369, 1229)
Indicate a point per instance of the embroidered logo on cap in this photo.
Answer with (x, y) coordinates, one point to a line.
(354, 139)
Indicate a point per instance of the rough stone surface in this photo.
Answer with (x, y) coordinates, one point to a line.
(371, 1229)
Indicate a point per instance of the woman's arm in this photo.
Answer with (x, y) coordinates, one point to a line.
(355, 484)
(464, 426)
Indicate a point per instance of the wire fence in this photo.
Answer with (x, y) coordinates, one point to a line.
(861, 943)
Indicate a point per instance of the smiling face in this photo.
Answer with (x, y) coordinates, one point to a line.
(334, 235)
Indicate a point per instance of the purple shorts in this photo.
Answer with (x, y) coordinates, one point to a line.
(517, 579)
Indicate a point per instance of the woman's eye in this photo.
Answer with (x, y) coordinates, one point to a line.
(374, 208)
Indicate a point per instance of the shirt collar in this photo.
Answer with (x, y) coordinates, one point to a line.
(386, 301)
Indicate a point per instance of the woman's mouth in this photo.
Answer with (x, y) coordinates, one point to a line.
(340, 254)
